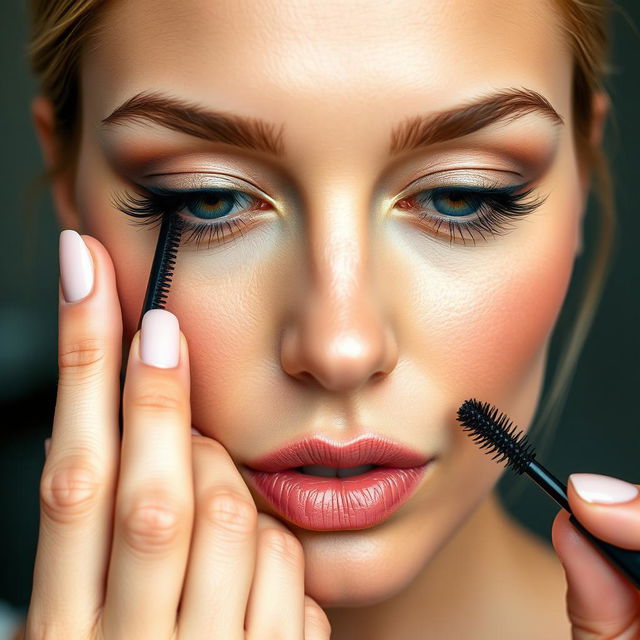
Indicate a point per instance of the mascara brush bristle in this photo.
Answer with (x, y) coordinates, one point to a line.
(496, 432)
(164, 262)
(168, 263)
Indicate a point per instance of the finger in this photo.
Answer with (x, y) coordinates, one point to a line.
(601, 603)
(154, 503)
(78, 478)
(610, 508)
(276, 601)
(316, 622)
(223, 548)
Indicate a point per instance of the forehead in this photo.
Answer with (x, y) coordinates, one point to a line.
(313, 64)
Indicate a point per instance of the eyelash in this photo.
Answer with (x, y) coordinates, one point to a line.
(150, 207)
(497, 207)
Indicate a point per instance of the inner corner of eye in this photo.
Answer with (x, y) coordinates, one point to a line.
(405, 203)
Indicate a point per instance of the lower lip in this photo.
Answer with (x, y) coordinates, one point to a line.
(330, 504)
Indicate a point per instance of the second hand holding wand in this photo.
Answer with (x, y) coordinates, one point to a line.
(495, 432)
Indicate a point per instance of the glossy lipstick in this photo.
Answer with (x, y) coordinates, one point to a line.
(332, 503)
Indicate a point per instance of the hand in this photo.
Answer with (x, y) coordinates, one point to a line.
(131, 543)
(601, 602)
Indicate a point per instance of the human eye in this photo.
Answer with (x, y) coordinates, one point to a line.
(207, 211)
(469, 210)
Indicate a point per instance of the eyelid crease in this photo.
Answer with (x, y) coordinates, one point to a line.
(202, 185)
(474, 189)
(459, 179)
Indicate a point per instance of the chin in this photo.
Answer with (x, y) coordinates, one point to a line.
(358, 568)
(334, 585)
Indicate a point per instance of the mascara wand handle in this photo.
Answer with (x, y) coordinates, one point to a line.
(548, 483)
(626, 560)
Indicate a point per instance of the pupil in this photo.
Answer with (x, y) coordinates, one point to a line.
(211, 205)
(456, 202)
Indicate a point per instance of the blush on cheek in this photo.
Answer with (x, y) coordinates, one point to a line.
(514, 315)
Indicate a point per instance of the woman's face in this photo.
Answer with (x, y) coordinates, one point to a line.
(339, 299)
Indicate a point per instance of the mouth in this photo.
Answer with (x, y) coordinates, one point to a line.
(317, 455)
(325, 498)
(324, 471)
(321, 485)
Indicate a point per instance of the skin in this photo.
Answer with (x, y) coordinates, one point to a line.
(265, 316)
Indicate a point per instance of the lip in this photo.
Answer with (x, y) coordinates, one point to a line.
(333, 504)
(367, 449)
(329, 504)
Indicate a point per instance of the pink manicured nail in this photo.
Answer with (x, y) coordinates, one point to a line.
(47, 445)
(601, 489)
(160, 339)
(76, 266)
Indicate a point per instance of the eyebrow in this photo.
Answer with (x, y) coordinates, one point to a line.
(258, 135)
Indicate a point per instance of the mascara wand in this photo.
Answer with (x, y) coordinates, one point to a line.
(164, 261)
(495, 431)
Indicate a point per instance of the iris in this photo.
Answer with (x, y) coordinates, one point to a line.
(453, 202)
(214, 203)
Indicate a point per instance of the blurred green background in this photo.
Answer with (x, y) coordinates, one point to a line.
(597, 433)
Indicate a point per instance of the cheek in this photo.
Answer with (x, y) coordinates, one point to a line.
(483, 330)
(233, 336)
(511, 318)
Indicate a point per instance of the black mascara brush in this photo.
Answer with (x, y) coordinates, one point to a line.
(164, 261)
(160, 276)
(497, 433)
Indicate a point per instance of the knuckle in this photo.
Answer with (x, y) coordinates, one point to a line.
(158, 399)
(231, 512)
(152, 524)
(69, 489)
(283, 545)
(82, 360)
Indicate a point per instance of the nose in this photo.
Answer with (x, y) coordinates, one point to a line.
(338, 335)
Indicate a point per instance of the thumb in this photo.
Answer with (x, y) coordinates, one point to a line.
(601, 601)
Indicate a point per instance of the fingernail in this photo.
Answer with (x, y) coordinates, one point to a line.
(600, 489)
(47, 444)
(195, 431)
(76, 266)
(160, 339)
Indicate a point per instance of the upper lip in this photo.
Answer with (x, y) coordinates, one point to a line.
(320, 450)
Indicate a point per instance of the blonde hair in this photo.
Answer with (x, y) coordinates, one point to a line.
(59, 28)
